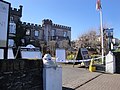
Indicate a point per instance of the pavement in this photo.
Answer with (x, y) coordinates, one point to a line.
(103, 82)
(81, 79)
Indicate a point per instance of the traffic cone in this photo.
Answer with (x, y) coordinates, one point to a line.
(91, 67)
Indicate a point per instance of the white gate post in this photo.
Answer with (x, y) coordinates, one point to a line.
(110, 63)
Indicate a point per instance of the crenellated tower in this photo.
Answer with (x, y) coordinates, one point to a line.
(16, 14)
(47, 26)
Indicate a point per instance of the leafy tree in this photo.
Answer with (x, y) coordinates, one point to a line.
(20, 33)
(88, 40)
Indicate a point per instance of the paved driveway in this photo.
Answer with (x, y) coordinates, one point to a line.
(81, 79)
(72, 78)
(103, 82)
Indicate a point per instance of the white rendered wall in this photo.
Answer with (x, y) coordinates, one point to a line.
(30, 52)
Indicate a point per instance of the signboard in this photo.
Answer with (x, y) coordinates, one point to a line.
(60, 55)
(4, 15)
(84, 53)
(30, 52)
(109, 32)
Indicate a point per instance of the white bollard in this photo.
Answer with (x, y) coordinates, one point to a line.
(52, 74)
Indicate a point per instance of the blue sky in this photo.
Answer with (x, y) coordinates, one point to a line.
(80, 15)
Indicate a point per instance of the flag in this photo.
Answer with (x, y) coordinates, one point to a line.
(98, 5)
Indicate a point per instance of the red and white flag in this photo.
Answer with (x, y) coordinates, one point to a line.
(98, 5)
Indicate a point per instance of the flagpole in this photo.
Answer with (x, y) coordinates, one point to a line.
(102, 46)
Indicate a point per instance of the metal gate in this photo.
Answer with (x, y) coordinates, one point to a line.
(117, 61)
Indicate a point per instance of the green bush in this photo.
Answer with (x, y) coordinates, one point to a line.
(71, 57)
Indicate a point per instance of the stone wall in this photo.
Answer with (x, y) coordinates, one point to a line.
(21, 75)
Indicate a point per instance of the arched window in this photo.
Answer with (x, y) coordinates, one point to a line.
(27, 32)
(53, 32)
(65, 34)
(36, 33)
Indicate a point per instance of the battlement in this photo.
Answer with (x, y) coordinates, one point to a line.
(46, 21)
(31, 25)
(61, 26)
(15, 11)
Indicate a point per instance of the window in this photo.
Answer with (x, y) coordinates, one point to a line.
(11, 18)
(12, 28)
(23, 41)
(53, 32)
(65, 34)
(28, 32)
(36, 33)
(11, 42)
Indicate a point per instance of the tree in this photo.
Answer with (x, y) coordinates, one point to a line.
(20, 33)
(88, 40)
(52, 47)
